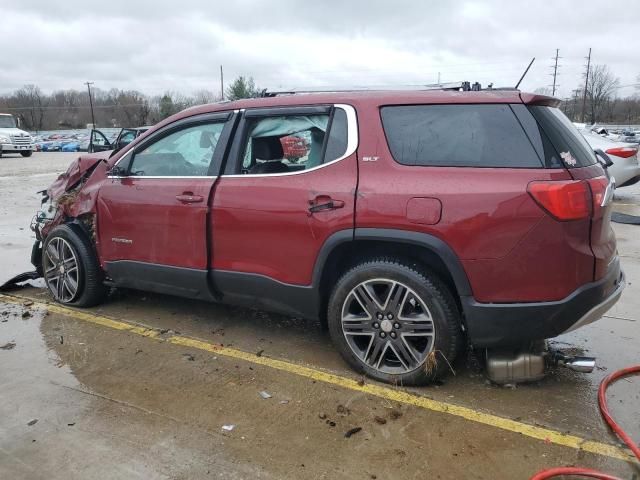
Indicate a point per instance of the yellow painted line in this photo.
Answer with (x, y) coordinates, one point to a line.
(540, 433)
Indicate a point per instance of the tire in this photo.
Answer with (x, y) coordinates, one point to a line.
(64, 242)
(424, 323)
(28, 153)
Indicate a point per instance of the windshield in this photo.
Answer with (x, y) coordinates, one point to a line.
(7, 121)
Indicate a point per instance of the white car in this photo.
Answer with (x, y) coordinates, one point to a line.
(625, 168)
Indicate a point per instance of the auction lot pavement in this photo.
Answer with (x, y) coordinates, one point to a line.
(142, 386)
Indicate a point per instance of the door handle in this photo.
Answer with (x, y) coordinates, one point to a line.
(322, 203)
(188, 197)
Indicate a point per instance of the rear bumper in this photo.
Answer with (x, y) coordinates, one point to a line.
(493, 324)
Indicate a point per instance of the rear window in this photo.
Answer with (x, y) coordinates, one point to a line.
(458, 136)
(565, 137)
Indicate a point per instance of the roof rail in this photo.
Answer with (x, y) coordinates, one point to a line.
(451, 86)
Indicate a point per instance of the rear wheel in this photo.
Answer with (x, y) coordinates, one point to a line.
(71, 270)
(395, 323)
(26, 154)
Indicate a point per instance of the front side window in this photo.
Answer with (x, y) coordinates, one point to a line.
(185, 153)
(292, 143)
(458, 136)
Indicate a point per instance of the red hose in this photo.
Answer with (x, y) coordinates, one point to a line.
(604, 410)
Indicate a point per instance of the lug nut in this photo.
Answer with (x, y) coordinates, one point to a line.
(382, 334)
(396, 325)
(390, 316)
(379, 315)
(376, 325)
(393, 334)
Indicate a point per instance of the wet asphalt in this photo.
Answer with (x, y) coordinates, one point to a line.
(79, 400)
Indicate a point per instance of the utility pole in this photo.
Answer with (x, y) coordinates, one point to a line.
(93, 120)
(574, 108)
(438, 78)
(221, 84)
(555, 73)
(586, 84)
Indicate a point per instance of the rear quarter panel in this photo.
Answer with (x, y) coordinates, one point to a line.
(511, 250)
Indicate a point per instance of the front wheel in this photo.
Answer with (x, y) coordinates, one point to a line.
(26, 153)
(71, 270)
(394, 322)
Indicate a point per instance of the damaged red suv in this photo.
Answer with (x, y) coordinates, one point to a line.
(413, 223)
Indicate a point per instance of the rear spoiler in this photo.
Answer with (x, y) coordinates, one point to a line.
(535, 99)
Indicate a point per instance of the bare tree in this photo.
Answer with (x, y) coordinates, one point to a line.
(203, 96)
(29, 102)
(601, 89)
(543, 91)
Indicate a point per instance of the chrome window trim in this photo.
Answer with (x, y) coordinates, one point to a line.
(352, 146)
(141, 177)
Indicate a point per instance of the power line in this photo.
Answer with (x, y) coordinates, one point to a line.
(80, 107)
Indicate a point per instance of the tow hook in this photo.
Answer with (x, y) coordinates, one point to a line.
(577, 364)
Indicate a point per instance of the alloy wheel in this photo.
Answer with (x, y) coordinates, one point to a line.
(61, 272)
(388, 326)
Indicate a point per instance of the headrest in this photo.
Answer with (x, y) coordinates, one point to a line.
(267, 148)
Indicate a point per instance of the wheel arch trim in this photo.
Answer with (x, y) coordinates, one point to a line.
(424, 240)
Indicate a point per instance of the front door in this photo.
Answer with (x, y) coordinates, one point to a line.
(289, 184)
(98, 142)
(152, 216)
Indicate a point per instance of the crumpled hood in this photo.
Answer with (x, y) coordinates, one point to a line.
(79, 169)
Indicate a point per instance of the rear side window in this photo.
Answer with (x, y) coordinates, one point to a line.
(565, 137)
(458, 136)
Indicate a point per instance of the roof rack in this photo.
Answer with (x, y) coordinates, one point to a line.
(451, 86)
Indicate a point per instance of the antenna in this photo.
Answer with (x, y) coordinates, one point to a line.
(525, 72)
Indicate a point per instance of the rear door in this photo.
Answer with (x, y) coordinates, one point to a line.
(152, 217)
(274, 209)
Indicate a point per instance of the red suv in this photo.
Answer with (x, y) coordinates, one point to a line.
(414, 223)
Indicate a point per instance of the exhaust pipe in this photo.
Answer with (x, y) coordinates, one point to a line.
(578, 364)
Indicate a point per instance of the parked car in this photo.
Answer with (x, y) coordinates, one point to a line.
(416, 223)
(98, 141)
(625, 168)
(628, 136)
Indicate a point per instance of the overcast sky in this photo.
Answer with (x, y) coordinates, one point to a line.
(155, 46)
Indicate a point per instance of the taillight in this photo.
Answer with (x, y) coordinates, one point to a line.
(598, 189)
(624, 152)
(563, 200)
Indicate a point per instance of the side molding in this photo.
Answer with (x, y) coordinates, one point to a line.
(180, 281)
